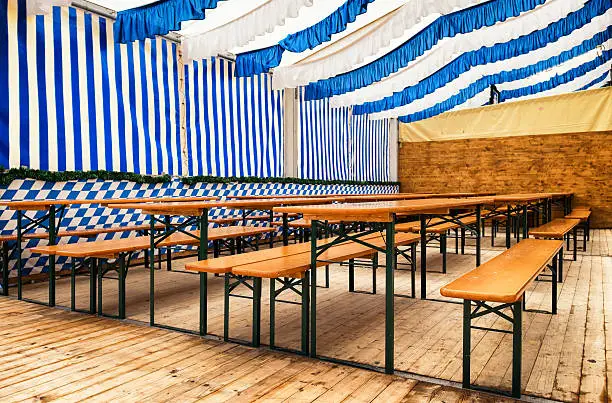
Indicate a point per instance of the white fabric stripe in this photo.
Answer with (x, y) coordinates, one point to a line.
(97, 68)
(447, 49)
(598, 24)
(34, 135)
(41, 7)
(242, 30)
(219, 141)
(227, 133)
(52, 151)
(13, 77)
(83, 95)
(68, 152)
(211, 135)
(191, 123)
(237, 140)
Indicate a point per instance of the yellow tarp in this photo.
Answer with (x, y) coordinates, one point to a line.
(577, 112)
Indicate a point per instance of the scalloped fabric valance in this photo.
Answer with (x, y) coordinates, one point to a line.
(486, 55)
(262, 60)
(158, 18)
(600, 62)
(447, 26)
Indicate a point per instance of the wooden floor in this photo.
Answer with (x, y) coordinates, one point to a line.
(566, 357)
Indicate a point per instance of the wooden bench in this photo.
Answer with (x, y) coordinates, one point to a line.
(121, 250)
(503, 280)
(288, 266)
(559, 228)
(80, 233)
(584, 215)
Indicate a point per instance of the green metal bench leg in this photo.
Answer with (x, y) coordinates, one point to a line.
(313, 290)
(93, 273)
(555, 266)
(203, 255)
(390, 259)
(19, 253)
(5, 269)
(443, 247)
(72, 285)
(462, 241)
(327, 276)
(256, 311)
(456, 241)
(374, 267)
(99, 273)
(169, 249)
(560, 273)
(273, 313)
(575, 234)
(517, 348)
(226, 308)
(351, 274)
(467, 342)
(121, 284)
(305, 314)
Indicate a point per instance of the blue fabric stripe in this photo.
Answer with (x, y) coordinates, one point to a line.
(158, 18)
(222, 133)
(211, 153)
(108, 128)
(595, 81)
(501, 51)
(164, 89)
(59, 91)
(24, 92)
(234, 163)
(74, 87)
(262, 60)
(4, 86)
(482, 85)
(459, 22)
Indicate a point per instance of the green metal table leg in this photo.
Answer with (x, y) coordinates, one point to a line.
(423, 257)
(256, 312)
(389, 297)
(508, 223)
(100, 293)
(19, 253)
(169, 248)
(555, 266)
(5, 269)
(313, 289)
(285, 230)
(226, 307)
(305, 317)
(52, 241)
(413, 267)
(478, 236)
(151, 271)
(525, 222)
(443, 250)
(560, 273)
(374, 268)
(351, 275)
(72, 285)
(203, 255)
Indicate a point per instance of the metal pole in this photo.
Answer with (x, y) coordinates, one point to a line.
(52, 241)
(467, 342)
(151, 270)
(517, 348)
(19, 252)
(478, 235)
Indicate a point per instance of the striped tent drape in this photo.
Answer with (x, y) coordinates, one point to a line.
(335, 144)
(234, 124)
(78, 101)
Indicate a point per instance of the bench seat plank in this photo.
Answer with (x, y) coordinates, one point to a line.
(438, 226)
(296, 265)
(582, 215)
(504, 278)
(557, 228)
(111, 248)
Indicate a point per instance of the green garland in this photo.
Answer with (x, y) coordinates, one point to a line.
(7, 176)
(192, 180)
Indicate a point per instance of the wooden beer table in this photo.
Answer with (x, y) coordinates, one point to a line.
(382, 217)
(50, 221)
(195, 214)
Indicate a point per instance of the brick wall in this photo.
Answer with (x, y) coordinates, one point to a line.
(581, 163)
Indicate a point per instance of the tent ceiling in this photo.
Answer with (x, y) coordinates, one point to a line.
(526, 48)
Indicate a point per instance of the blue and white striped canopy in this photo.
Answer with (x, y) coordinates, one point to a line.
(410, 59)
